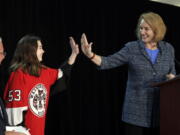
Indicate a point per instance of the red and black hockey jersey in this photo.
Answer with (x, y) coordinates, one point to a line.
(27, 98)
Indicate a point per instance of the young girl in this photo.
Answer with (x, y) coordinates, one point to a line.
(27, 90)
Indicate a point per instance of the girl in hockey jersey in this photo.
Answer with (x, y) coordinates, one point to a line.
(27, 90)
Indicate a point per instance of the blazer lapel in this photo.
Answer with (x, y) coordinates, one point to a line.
(143, 51)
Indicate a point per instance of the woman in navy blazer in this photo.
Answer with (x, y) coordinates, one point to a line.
(150, 60)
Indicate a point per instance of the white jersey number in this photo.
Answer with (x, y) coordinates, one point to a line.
(14, 95)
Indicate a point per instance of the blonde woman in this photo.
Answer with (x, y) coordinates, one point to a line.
(150, 60)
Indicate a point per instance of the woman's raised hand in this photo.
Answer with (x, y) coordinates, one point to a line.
(86, 47)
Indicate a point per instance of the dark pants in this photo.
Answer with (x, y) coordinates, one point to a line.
(137, 130)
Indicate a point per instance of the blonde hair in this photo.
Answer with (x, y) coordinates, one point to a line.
(155, 22)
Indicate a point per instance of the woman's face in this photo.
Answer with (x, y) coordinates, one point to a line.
(40, 50)
(146, 32)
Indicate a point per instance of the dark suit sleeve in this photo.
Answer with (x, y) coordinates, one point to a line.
(3, 118)
(62, 83)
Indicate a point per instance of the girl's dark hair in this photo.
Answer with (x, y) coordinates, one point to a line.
(25, 56)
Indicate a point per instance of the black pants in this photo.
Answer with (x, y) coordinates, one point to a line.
(137, 130)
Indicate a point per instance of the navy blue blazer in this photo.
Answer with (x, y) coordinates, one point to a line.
(141, 103)
(3, 118)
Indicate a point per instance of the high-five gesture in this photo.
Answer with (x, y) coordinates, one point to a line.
(75, 51)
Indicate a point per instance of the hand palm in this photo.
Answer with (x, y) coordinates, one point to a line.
(74, 46)
(85, 46)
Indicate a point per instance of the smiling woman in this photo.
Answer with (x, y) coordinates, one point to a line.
(145, 58)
